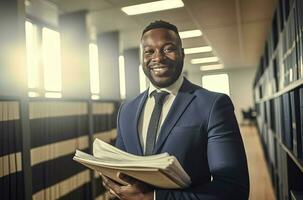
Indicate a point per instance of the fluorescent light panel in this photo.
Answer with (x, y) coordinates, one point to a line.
(152, 7)
(211, 67)
(190, 34)
(198, 50)
(204, 60)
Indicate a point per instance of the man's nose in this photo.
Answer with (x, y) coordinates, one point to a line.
(158, 56)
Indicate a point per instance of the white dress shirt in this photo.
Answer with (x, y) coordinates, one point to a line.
(149, 106)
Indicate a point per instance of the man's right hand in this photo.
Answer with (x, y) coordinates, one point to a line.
(136, 190)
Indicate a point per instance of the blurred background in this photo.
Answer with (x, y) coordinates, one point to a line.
(67, 65)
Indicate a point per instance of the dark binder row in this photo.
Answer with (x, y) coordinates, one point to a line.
(278, 95)
(282, 62)
(280, 123)
(288, 110)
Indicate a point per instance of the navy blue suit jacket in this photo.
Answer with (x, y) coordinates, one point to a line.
(201, 131)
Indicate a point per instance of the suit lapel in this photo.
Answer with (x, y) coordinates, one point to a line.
(135, 135)
(182, 100)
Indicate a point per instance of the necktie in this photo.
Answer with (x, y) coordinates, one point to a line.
(154, 121)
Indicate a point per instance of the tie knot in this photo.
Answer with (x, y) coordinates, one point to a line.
(159, 96)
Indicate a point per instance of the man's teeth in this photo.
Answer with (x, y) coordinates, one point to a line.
(159, 69)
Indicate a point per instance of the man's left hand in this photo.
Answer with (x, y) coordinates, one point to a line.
(135, 190)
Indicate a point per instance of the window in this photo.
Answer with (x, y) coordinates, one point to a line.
(216, 83)
(94, 71)
(43, 55)
(32, 58)
(122, 77)
(51, 62)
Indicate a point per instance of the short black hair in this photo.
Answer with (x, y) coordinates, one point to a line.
(161, 24)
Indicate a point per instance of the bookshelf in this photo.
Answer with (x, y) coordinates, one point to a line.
(278, 97)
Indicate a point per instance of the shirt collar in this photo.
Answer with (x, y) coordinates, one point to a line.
(172, 89)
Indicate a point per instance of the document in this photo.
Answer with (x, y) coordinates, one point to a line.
(161, 170)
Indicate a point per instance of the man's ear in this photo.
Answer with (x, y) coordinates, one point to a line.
(183, 54)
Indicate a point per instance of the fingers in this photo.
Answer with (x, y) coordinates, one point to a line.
(128, 179)
(113, 193)
(110, 196)
(111, 186)
(109, 193)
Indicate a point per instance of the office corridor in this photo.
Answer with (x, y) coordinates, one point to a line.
(66, 66)
(260, 184)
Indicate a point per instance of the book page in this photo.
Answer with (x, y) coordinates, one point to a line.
(100, 147)
(160, 170)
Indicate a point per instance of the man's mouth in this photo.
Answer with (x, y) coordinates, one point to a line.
(159, 69)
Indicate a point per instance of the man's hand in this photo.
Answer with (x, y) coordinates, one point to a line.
(136, 190)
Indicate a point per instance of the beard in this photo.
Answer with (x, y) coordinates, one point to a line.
(167, 78)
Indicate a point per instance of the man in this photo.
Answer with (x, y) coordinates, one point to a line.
(195, 125)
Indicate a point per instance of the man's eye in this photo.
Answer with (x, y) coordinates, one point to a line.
(168, 50)
(148, 52)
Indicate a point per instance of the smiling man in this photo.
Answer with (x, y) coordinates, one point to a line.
(173, 115)
(162, 55)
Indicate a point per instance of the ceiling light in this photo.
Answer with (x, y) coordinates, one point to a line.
(197, 50)
(152, 7)
(204, 60)
(211, 67)
(190, 34)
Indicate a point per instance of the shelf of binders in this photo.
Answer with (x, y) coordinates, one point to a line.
(281, 66)
(288, 88)
(298, 161)
(284, 117)
(269, 86)
(278, 97)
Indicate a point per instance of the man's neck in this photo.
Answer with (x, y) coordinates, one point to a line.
(173, 88)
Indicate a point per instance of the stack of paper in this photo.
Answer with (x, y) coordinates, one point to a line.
(162, 170)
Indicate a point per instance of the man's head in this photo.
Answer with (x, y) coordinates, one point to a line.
(162, 53)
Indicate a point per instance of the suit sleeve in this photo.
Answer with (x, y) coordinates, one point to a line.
(119, 141)
(226, 159)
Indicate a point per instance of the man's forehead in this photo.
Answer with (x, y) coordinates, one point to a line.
(159, 31)
(159, 34)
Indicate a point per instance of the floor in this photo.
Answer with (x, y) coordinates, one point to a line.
(260, 183)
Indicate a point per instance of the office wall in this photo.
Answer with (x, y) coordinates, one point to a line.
(132, 82)
(241, 89)
(240, 86)
(108, 49)
(13, 81)
(74, 55)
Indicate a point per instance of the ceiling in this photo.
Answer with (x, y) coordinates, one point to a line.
(236, 29)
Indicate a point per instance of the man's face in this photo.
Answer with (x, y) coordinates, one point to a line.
(162, 56)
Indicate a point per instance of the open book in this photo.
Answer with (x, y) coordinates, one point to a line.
(161, 170)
